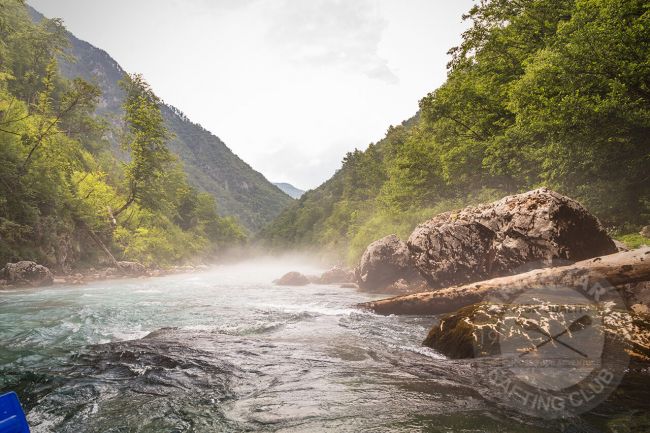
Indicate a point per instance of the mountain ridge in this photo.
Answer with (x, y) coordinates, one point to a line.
(289, 189)
(211, 166)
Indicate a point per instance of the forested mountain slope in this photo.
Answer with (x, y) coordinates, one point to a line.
(68, 198)
(540, 92)
(239, 190)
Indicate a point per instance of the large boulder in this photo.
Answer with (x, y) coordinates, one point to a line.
(385, 262)
(292, 279)
(27, 273)
(336, 275)
(517, 233)
(507, 330)
(407, 287)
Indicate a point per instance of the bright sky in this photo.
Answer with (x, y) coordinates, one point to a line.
(289, 85)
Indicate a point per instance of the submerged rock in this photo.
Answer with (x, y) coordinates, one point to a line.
(292, 279)
(385, 262)
(516, 233)
(27, 273)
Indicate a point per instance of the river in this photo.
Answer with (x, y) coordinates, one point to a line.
(226, 350)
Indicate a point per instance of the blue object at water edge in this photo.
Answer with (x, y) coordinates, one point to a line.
(12, 417)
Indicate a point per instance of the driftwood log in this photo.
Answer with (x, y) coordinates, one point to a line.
(615, 270)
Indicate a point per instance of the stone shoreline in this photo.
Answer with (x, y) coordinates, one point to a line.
(90, 275)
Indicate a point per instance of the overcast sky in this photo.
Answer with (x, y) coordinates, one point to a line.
(288, 85)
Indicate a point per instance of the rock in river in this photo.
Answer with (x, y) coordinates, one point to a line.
(533, 229)
(292, 279)
(495, 329)
(336, 275)
(383, 263)
(27, 273)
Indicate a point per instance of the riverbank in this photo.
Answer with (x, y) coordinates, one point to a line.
(85, 276)
(91, 275)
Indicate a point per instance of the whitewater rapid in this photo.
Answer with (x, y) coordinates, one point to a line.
(226, 350)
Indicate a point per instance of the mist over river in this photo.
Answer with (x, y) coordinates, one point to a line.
(226, 350)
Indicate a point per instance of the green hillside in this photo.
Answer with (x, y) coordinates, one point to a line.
(69, 196)
(239, 190)
(540, 92)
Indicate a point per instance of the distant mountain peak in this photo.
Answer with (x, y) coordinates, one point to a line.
(289, 189)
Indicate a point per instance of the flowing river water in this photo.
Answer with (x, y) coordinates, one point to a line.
(226, 350)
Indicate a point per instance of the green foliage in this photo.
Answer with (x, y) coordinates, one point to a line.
(146, 143)
(159, 245)
(59, 184)
(539, 92)
(210, 165)
(633, 240)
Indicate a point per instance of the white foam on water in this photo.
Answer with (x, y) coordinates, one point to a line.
(423, 350)
(127, 334)
(310, 309)
(43, 422)
(238, 328)
(147, 291)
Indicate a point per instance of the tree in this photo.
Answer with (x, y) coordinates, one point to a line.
(539, 92)
(146, 140)
(80, 96)
(583, 105)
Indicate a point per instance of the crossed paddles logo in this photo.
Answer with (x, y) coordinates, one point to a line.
(578, 325)
(553, 354)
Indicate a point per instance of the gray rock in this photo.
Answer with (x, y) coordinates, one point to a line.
(292, 279)
(384, 262)
(27, 273)
(132, 268)
(645, 232)
(515, 234)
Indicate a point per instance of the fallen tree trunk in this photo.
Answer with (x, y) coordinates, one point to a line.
(611, 270)
(99, 243)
